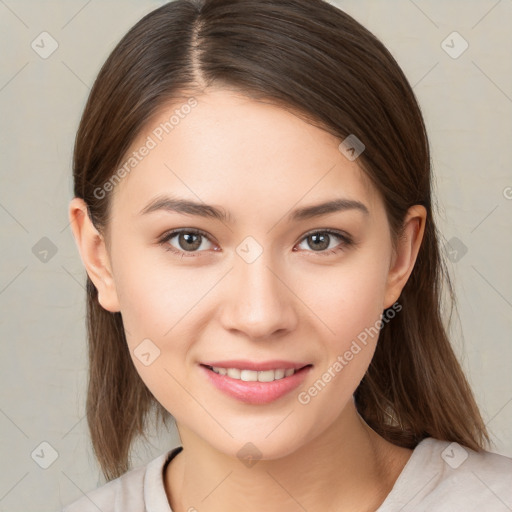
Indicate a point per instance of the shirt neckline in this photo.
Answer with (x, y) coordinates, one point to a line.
(414, 465)
(155, 497)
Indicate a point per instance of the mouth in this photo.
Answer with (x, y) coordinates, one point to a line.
(248, 375)
(256, 383)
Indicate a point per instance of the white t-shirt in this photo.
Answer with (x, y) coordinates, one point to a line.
(439, 477)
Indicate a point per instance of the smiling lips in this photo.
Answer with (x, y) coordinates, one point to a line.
(256, 383)
(254, 376)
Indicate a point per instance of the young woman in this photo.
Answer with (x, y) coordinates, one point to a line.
(253, 208)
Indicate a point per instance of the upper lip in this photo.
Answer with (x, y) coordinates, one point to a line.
(256, 366)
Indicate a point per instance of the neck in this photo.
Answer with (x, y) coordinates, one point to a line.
(348, 467)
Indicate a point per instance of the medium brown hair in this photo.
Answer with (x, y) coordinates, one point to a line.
(310, 57)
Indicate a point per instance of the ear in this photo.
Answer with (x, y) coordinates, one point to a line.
(404, 258)
(93, 252)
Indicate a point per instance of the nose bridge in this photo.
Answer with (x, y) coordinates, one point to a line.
(258, 302)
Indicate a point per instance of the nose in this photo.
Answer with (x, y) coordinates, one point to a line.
(258, 301)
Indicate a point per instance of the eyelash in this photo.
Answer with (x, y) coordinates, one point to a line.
(346, 241)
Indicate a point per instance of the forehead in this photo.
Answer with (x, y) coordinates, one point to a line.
(226, 148)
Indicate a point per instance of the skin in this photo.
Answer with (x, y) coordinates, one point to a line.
(297, 305)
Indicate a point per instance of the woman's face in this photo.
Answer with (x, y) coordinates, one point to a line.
(263, 283)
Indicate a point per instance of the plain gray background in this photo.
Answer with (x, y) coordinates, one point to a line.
(466, 98)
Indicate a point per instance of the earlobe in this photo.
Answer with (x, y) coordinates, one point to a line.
(408, 246)
(94, 255)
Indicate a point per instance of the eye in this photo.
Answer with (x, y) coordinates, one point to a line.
(320, 241)
(187, 241)
(190, 241)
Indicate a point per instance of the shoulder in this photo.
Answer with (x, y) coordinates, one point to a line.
(128, 493)
(127, 487)
(446, 476)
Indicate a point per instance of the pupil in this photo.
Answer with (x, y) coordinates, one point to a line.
(187, 238)
(323, 241)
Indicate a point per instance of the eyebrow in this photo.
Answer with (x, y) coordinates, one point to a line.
(185, 206)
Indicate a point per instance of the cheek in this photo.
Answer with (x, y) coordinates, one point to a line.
(348, 298)
(351, 308)
(154, 310)
(154, 295)
(165, 305)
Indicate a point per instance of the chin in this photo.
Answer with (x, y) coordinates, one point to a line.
(270, 439)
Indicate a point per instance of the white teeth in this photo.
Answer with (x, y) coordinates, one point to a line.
(279, 374)
(267, 376)
(234, 373)
(254, 376)
(248, 375)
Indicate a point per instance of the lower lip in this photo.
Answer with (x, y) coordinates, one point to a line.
(256, 392)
